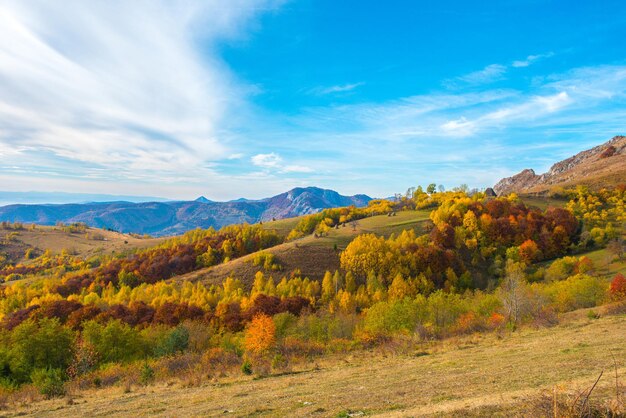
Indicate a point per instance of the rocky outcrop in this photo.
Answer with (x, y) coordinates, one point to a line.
(520, 181)
(602, 165)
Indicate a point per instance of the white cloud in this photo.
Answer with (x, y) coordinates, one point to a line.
(271, 160)
(555, 102)
(119, 85)
(459, 127)
(274, 162)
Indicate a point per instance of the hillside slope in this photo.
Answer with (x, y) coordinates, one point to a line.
(481, 375)
(601, 166)
(92, 242)
(172, 218)
(311, 255)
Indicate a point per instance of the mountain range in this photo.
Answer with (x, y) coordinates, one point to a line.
(601, 166)
(176, 217)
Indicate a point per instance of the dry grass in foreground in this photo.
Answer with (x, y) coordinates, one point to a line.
(521, 374)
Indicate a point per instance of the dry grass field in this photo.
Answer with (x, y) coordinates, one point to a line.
(481, 375)
(56, 240)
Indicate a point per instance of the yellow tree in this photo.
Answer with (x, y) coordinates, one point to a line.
(350, 283)
(399, 288)
(328, 287)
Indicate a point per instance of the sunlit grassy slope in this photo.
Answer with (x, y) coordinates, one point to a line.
(56, 240)
(312, 256)
(481, 375)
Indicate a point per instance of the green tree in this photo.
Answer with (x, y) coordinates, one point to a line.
(38, 345)
(114, 342)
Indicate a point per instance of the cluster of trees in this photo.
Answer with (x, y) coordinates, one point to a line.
(47, 264)
(66, 338)
(194, 250)
(598, 209)
(12, 226)
(121, 310)
(323, 221)
(602, 214)
(468, 236)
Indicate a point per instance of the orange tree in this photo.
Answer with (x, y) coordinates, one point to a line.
(260, 335)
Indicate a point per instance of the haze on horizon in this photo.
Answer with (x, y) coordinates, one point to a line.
(250, 98)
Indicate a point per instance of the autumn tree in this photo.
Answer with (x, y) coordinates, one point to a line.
(529, 251)
(399, 288)
(328, 287)
(260, 335)
(513, 292)
(618, 287)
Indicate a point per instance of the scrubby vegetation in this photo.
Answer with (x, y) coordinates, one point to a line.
(485, 264)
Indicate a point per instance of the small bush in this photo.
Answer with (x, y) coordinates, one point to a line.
(176, 340)
(49, 382)
(246, 367)
(280, 363)
(220, 362)
(146, 375)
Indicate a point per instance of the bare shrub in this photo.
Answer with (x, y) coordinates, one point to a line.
(615, 308)
(219, 362)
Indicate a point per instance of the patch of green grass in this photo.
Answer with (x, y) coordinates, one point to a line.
(282, 226)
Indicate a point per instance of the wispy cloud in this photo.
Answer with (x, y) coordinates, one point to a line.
(531, 59)
(492, 73)
(489, 74)
(119, 85)
(342, 88)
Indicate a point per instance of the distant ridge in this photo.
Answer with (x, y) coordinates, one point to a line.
(10, 198)
(601, 166)
(172, 218)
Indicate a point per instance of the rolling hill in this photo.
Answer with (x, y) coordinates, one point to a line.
(85, 244)
(311, 255)
(601, 166)
(172, 218)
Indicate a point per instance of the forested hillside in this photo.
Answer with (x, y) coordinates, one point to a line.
(426, 267)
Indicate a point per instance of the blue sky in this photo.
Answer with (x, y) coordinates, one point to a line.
(253, 97)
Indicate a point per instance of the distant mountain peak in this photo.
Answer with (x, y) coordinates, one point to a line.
(177, 217)
(203, 199)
